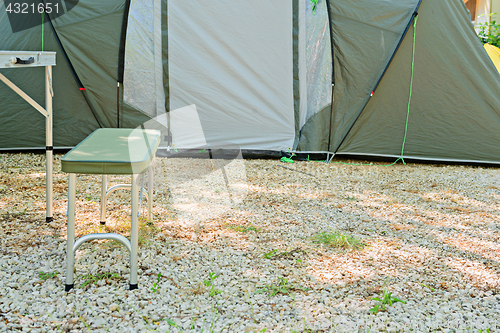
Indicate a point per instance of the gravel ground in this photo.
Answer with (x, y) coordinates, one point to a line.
(432, 236)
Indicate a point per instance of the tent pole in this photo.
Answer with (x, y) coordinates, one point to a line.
(328, 8)
(415, 13)
(121, 59)
(413, 16)
(117, 104)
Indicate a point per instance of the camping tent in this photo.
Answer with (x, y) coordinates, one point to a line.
(494, 53)
(260, 75)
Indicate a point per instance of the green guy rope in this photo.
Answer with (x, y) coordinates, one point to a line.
(314, 4)
(411, 90)
(42, 28)
(409, 103)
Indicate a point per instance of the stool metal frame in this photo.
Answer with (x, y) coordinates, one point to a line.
(105, 152)
(131, 245)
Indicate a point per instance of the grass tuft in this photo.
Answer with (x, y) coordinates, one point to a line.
(339, 240)
(93, 279)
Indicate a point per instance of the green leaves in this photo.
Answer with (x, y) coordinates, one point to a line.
(156, 285)
(489, 32)
(270, 254)
(287, 160)
(93, 279)
(210, 283)
(282, 287)
(337, 239)
(242, 228)
(45, 276)
(386, 299)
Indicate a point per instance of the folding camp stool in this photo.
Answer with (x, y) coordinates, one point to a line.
(110, 151)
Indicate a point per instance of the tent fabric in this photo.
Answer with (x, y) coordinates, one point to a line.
(258, 75)
(494, 53)
(93, 52)
(237, 70)
(454, 112)
(23, 126)
(143, 74)
(364, 36)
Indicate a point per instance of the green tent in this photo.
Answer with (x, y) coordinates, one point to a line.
(327, 76)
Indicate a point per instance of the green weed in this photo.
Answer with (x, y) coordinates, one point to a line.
(276, 254)
(285, 159)
(18, 214)
(93, 279)
(242, 228)
(45, 276)
(282, 287)
(338, 239)
(426, 286)
(210, 283)
(156, 285)
(270, 254)
(386, 299)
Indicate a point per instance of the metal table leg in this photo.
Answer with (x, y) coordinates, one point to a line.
(134, 233)
(48, 143)
(70, 254)
(151, 174)
(104, 198)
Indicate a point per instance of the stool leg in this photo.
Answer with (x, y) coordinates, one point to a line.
(70, 255)
(134, 233)
(104, 198)
(151, 175)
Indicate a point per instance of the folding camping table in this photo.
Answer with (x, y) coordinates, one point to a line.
(110, 151)
(22, 59)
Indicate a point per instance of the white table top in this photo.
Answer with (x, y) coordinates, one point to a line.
(9, 59)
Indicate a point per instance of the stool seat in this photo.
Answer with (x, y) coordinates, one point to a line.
(110, 151)
(113, 151)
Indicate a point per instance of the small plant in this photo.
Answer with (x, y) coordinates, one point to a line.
(275, 254)
(428, 287)
(45, 276)
(93, 279)
(270, 254)
(242, 228)
(487, 331)
(288, 159)
(156, 285)
(210, 283)
(18, 214)
(283, 287)
(170, 322)
(386, 299)
(337, 239)
(489, 32)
